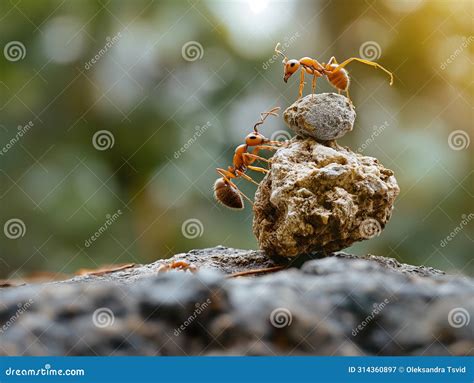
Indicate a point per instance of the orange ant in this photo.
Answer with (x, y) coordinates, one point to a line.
(177, 265)
(335, 73)
(225, 191)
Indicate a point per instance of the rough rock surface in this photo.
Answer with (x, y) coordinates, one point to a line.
(324, 116)
(235, 261)
(321, 197)
(340, 305)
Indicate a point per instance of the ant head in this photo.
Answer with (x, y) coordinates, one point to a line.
(291, 66)
(254, 139)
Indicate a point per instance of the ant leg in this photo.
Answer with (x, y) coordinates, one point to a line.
(313, 84)
(226, 175)
(332, 60)
(251, 158)
(254, 157)
(371, 63)
(300, 93)
(348, 96)
(274, 145)
(258, 169)
(246, 177)
(243, 195)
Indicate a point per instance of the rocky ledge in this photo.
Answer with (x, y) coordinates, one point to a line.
(338, 305)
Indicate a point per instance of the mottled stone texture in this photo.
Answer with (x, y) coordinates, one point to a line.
(340, 305)
(321, 197)
(325, 116)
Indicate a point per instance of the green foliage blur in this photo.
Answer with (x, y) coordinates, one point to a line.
(177, 85)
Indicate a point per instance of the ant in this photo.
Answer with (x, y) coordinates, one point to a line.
(225, 191)
(335, 73)
(177, 265)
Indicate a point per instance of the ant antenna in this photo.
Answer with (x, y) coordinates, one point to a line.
(264, 115)
(277, 51)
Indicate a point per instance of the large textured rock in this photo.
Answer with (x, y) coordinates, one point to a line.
(340, 305)
(321, 197)
(324, 116)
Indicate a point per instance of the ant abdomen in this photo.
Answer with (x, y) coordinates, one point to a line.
(339, 79)
(227, 195)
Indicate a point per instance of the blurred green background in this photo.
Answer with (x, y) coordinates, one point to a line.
(177, 85)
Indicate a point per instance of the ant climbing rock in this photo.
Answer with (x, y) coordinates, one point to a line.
(335, 72)
(225, 190)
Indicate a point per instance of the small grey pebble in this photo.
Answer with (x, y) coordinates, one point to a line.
(325, 116)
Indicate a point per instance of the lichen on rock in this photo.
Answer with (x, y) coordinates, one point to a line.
(321, 197)
(324, 117)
